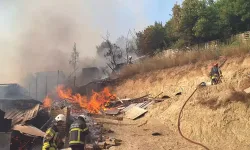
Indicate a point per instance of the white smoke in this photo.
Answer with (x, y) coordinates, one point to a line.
(39, 35)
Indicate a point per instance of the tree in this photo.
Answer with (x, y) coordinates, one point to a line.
(112, 52)
(207, 26)
(74, 61)
(151, 39)
(189, 16)
(193, 22)
(172, 27)
(235, 15)
(127, 46)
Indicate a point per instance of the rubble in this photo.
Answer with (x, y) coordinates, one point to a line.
(112, 142)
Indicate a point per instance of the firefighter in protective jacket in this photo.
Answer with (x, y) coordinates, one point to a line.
(51, 140)
(78, 133)
(215, 74)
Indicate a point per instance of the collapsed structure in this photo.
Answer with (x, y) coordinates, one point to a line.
(17, 108)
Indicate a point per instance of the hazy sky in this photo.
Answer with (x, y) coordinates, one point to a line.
(38, 35)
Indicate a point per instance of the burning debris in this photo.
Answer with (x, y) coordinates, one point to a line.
(94, 104)
(98, 106)
(103, 102)
(47, 102)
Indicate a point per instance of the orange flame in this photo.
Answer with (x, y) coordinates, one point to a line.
(93, 105)
(47, 102)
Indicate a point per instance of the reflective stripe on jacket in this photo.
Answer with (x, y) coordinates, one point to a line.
(78, 132)
(77, 136)
(50, 138)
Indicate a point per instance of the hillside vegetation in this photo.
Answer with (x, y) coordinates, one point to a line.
(168, 59)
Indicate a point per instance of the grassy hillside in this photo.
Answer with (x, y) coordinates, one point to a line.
(217, 116)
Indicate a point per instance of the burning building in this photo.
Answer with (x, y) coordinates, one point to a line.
(89, 74)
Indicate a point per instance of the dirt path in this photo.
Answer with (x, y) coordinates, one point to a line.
(141, 138)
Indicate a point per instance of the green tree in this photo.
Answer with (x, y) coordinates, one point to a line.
(234, 16)
(172, 27)
(151, 39)
(189, 16)
(207, 27)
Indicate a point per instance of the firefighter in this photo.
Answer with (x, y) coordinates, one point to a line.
(51, 139)
(215, 73)
(78, 133)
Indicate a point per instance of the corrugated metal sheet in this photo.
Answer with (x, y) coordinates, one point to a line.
(21, 116)
(140, 105)
(113, 111)
(21, 105)
(128, 107)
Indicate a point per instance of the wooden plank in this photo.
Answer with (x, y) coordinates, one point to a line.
(135, 112)
(129, 107)
(247, 90)
(113, 111)
(134, 99)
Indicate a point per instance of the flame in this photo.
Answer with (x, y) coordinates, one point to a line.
(94, 104)
(47, 102)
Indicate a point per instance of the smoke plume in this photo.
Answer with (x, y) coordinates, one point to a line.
(43, 32)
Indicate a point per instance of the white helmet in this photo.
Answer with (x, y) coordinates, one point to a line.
(82, 116)
(60, 117)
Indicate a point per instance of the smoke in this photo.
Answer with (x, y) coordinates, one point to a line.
(42, 33)
(52, 29)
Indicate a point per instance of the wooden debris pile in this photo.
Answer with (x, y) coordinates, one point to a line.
(132, 108)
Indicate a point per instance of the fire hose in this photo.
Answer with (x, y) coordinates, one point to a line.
(179, 121)
(179, 118)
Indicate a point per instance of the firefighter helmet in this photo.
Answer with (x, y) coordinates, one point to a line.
(60, 117)
(83, 117)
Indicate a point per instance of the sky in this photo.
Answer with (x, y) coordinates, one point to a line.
(39, 35)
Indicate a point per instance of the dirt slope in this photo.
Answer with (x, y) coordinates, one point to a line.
(217, 116)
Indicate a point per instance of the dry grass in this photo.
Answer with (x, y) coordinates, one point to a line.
(218, 101)
(180, 58)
